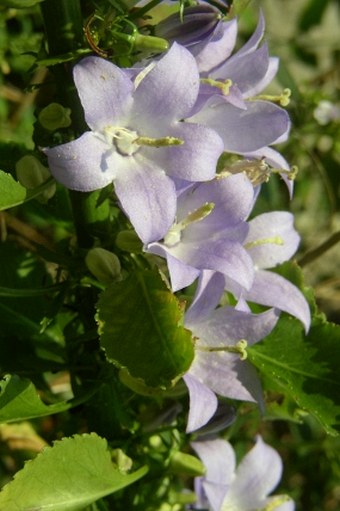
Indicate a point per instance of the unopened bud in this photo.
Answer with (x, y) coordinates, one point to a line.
(55, 116)
(129, 242)
(104, 265)
(199, 21)
(185, 464)
(31, 173)
(148, 42)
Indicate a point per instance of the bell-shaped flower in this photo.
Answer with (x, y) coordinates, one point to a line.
(209, 232)
(246, 487)
(221, 337)
(137, 139)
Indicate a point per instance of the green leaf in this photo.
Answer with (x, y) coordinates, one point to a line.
(305, 367)
(69, 476)
(14, 194)
(19, 401)
(139, 329)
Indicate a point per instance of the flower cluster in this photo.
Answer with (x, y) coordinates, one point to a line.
(158, 132)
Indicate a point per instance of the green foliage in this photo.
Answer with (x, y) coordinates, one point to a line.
(139, 323)
(305, 367)
(19, 401)
(14, 194)
(67, 477)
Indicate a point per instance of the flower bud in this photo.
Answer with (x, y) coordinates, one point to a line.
(122, 460)
(104, 265)
(55, 116)
(31, 174)
(198, 23)
(186, 464)
(129, 242)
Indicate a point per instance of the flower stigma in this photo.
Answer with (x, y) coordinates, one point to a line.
(173, 235)
(223, 86)
(128, 142)
(240, 348)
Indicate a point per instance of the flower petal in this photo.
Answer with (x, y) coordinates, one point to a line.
(219, 459)
(218, 48)
(203, 403)
(208, 294)
(256, 476)
(167, 92)
(275, 291)
(85, 164)
(105, 92)
(194, 160)
(269, 226)
(147, 196)
(244, 131)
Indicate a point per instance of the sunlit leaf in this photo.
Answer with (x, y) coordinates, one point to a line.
(13, 193)
(139, 324)
(19, 401)
(69, 476)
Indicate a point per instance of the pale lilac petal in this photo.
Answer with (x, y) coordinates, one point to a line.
(147, 196)
(181, 274)
(208, 294)
(244, 131)
(286, 506)
(219, 47)
(269, 226)
(245, 71)
(105, 92)
(220, 371)
(219, 459)
(215, 494)
(85, 164)
(203, 403)
(194, 160)
(257, 475)
(275, 291)
(233, 197)
(225, 256)
(266, 80)
(163, 95)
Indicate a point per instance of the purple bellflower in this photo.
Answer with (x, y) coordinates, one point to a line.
(137, 139)
(246, 487)
(209, 232)
(219, 366)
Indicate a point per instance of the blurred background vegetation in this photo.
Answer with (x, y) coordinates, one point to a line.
(305, 35)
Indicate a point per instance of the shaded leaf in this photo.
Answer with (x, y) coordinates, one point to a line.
(69, 476)
(305, 367)
(139, 328)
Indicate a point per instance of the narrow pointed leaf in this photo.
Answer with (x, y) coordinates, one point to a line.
(68, 476)
(139, 328)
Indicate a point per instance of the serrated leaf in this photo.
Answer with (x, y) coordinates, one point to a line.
(139, 329)
(14, 194)
(305, 367)
(69, 476)
(19, 401)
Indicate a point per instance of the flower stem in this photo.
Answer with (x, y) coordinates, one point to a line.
(64, 31)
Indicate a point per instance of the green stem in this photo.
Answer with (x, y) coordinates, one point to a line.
(64, 30)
